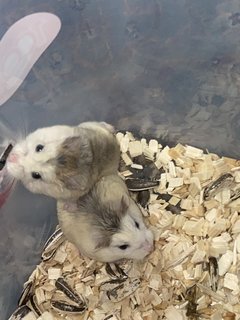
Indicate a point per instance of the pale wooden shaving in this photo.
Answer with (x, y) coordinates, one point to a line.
(225, 262)
(29, 316)
(137, 166)
(46, 316)
(153, 145)
(231, 282)
(135, 148)
(126, 159)
(54, 273)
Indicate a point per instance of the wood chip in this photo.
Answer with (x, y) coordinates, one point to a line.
(137, 166)
(126, 159)
(193, 152)
(124, 144)
(174, 314)
(135, 148)
(153, 145)
(231, 282)
(175, 182)
(163, 157)
(225, 262)
(54, 273)
(29, 316)
(46, 316)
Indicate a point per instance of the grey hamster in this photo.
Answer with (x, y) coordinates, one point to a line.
(106, 224)
(64, 162)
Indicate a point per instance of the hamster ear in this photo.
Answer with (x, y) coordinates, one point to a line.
(74, 162)
(125, 202)
(108, 126)
(120, 205)
(77, 149)
(104, 242)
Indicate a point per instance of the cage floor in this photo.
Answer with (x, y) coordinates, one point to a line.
(190, 198)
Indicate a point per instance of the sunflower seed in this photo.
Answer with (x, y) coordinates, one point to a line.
(222, 182)
(53, 242)
(121, 291)
(5, 155)
(64, 307)
(34, 305)
(22, 312)
(63, 286)
(109, 285)
(143, 197)
(235, 195)
(192, 305)
(115, 271)
(174, 209)
(138, 185)
(25, 295)
(213, 272)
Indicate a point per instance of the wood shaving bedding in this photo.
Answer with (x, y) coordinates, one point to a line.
(191, 201)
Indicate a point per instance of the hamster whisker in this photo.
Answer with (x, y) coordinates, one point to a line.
(25, 129)
(24, 126)
(6, 131)
(21, 135)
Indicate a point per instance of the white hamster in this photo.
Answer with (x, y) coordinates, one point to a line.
(64, 162)
(106, 224)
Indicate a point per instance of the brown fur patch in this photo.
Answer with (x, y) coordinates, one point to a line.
(104, 216)
(74, 160)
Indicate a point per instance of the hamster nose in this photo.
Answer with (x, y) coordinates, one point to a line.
(148, 246)
(13, 157)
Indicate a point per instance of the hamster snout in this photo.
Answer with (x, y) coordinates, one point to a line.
(13, 158)
(17, 154)
(15, 162)
(148, 246)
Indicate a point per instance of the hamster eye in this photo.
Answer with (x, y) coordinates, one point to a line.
(137, 224)
(123, 246)
(39, 148)
(36, 175)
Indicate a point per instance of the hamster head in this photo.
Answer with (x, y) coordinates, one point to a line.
(33, 160)
(132, 240)
(65, 162)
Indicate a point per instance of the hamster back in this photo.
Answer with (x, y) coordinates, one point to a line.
(84, 158)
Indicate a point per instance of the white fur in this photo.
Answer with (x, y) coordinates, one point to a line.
(28, 160)
(103, 126)
(140, 242)
(79, 231)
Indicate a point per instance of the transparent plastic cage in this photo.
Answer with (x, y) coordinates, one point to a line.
(162, 68)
